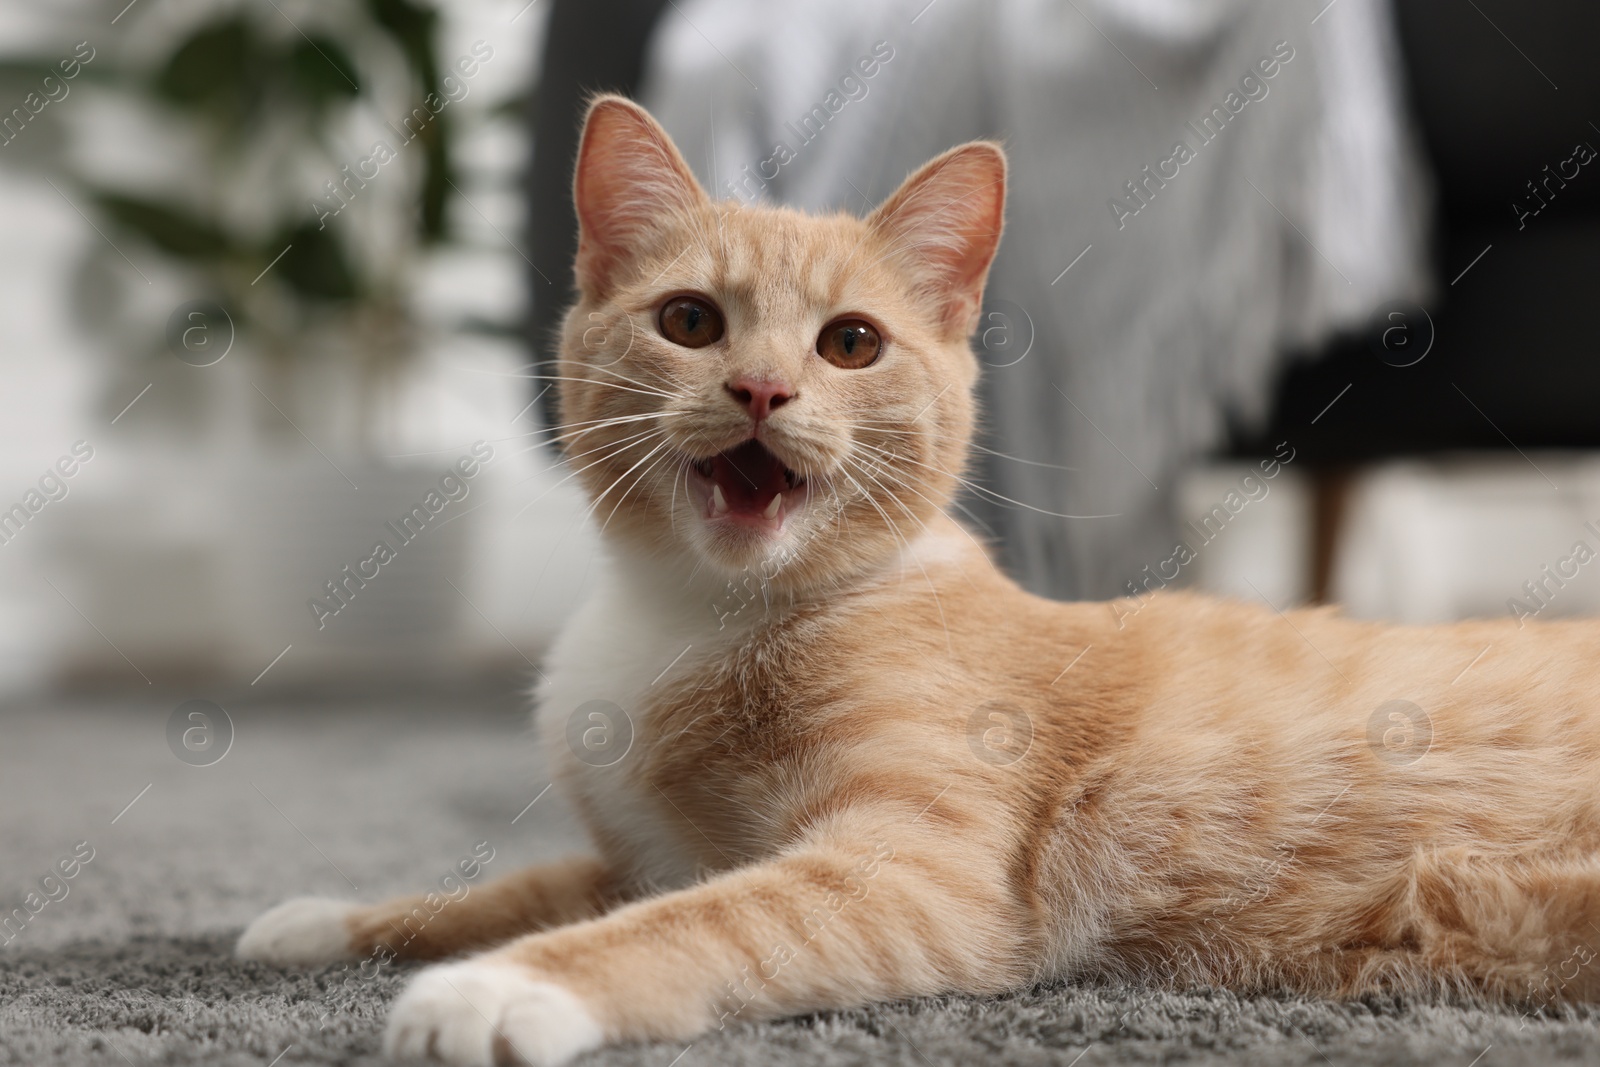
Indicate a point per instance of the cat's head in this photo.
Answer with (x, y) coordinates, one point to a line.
(751, 388)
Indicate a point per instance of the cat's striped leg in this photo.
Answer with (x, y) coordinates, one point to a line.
(455, 918)
(841, 921)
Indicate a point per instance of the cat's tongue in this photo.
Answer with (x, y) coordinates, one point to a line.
(750, 480)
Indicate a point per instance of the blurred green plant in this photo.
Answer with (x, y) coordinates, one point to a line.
(269, 108)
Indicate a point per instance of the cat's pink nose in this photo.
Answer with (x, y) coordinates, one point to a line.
(759, 396)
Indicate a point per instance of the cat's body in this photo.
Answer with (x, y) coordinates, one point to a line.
(1182, 789)
(830, 755)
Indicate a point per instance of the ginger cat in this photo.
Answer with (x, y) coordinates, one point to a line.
(829, 755)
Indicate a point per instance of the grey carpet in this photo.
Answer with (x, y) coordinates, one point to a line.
(133, 965)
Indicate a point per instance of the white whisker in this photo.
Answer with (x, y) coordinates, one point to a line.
(975, 487)
(615, 450)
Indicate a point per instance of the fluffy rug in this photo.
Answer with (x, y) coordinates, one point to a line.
(367, 796)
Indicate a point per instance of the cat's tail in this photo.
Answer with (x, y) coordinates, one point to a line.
(1523, 930)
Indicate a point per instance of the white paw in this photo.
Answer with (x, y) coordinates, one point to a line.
(477, 1013)
(306, 930)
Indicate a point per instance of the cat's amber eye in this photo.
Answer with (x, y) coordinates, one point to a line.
(690, 321)
(849, 343)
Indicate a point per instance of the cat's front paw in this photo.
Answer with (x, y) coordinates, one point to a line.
(304, 931)
(482, 1012)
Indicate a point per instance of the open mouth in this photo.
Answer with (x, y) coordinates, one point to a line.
(749, 485)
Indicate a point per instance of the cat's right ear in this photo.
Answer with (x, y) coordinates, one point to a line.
(631, 184)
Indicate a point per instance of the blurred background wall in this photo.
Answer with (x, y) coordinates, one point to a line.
(279, 279)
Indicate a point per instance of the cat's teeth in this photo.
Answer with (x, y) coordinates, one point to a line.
(772, 508)
(719, 503)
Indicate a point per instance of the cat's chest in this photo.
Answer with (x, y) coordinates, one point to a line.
(614, 679)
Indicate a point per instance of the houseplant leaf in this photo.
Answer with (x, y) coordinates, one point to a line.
(322, 72)
(170, 227)
(316, 265)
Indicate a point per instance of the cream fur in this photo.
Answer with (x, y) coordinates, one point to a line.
(304, 931)
(637, 624)
(473, 1013)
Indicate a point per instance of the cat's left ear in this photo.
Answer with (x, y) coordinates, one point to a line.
(943, 225)
(631, 185)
